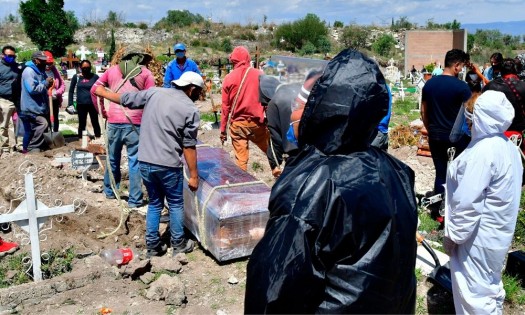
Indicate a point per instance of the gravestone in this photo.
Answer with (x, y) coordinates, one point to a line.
(30, 215)
(70, 59)
(392, 72)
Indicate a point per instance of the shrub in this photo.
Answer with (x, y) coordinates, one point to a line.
(384, 45)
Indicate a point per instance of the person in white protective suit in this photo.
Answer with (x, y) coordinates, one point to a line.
(482, 202)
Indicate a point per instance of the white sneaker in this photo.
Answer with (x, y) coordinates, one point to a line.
(142, 209)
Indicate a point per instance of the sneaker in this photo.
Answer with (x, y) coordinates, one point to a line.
(185, 246)
(7, 247)
(141, 210)
(111, 197)
(157, 251)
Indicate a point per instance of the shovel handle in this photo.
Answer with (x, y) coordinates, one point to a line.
(50, 95)
(420, 239)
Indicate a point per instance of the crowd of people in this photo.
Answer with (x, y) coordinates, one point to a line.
(343, 212)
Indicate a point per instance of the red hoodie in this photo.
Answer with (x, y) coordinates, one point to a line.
(248, 106)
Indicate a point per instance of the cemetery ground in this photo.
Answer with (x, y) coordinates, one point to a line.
(77, 281)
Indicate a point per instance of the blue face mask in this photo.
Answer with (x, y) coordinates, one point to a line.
(9, 59)
(290, 134)
(180, 54)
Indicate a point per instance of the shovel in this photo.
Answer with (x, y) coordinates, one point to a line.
(53, 139)
(440, 274)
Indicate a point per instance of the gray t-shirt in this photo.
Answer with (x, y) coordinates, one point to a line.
(169, 123)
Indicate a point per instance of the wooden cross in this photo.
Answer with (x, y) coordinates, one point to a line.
(30, 215)
(257, 57)
(70, 59)
(169, 53)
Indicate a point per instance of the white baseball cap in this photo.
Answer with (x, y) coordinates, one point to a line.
(188, 78)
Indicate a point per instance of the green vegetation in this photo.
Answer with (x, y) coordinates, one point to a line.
(354, 36)
(426, 223)
(309, 31)
(384, 45)
(47, 25)
(56, 262)
(256, 167)
(178, 18)
(404, 111)
(514, 293)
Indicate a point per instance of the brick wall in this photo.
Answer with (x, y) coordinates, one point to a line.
(423, 47)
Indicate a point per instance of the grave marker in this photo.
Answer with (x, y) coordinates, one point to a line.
(30, 215)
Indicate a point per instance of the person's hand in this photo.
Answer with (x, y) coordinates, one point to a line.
(223, 137)
(100, 90)
(448, 245)
(50, 81)
(193, 183)
(276, 172)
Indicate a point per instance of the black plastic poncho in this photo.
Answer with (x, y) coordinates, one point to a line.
(343, 215)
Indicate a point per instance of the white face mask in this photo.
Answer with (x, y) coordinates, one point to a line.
(473, 76)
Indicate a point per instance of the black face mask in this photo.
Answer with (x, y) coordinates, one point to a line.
(41, 66)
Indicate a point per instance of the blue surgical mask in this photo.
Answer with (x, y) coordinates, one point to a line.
(180, 54)
(9, 59)
(290, 134)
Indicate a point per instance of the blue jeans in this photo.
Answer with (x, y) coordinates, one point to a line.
(163, 183)
(118, 136)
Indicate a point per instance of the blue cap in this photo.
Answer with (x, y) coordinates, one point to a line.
(179, 46)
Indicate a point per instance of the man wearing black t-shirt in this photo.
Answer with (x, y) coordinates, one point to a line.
(442, 98)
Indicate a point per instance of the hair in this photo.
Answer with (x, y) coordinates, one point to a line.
(497, 56)
(469, 105)
(85, 61)
(455, 55)
(6, 47)
(508, 66)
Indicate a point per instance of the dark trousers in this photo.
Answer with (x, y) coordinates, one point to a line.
(83, 110)
(35, 127)
(438, 149)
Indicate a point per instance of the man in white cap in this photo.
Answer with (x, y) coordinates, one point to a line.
(169, 129)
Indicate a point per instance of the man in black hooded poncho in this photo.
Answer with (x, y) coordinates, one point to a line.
(343, 214)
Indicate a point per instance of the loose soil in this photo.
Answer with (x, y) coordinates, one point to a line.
(207, 282)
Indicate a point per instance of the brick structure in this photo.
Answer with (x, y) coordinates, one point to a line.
(423, 47)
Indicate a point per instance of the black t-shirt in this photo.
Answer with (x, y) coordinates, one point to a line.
(444, 95)
(498, 84)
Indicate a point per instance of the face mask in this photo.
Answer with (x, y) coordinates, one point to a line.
(9, 59)
(180, 54)
(473, 77)
(290, 134)
(85, 70)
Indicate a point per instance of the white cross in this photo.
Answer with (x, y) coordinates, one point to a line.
(30, 214)
(83, 51)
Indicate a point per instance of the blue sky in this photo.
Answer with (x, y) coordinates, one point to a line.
(379, 12)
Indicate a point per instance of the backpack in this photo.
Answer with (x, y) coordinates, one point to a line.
(16, 87)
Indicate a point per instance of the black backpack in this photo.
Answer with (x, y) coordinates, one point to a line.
(16, 87)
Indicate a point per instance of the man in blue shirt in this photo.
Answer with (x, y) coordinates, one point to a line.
(380, 139)
(179, 65)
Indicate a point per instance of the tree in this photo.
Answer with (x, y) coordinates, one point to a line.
(72, 20)
(47, 25)
(338, 24)
(179, 18)
(324, 45)
(402, 23)
(384, 45)
(112, 47)
(355, 36)
(115, 19)
(293, 36)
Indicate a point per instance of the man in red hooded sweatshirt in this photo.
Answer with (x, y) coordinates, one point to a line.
(241, 108)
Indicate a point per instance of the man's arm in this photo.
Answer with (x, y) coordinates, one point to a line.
(101, 91)
(190, 155)
(424, 116)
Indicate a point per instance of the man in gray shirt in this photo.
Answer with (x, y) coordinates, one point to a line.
(168, 130)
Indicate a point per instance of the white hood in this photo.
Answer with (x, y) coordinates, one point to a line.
(493, 114)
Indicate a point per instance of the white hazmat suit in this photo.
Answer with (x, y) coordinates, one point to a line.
(482, 202)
